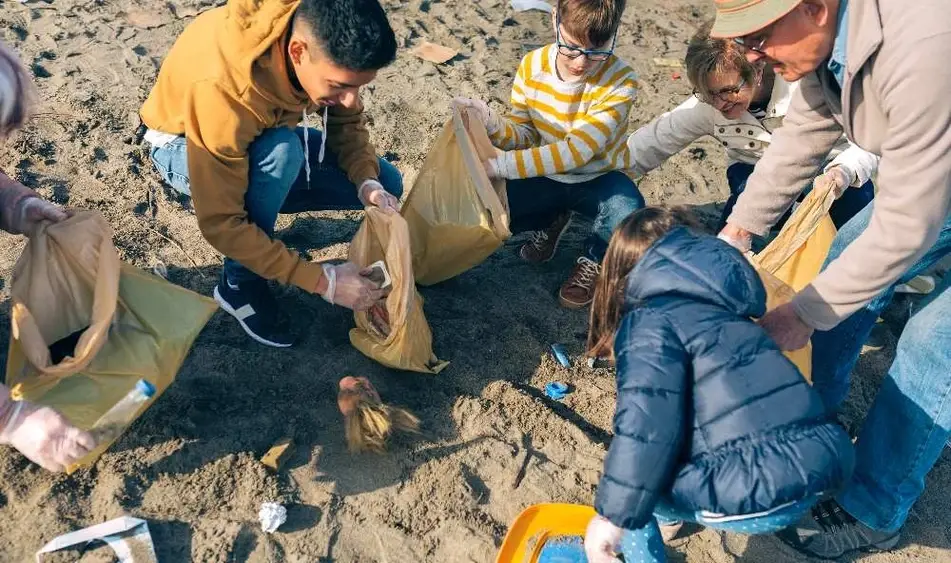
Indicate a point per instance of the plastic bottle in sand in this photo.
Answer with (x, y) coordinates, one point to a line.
(110, 425)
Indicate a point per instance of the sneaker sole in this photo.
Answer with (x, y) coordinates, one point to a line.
(885, 545)
(571, 304)
(553, 250)
(230, 310)
(920, 285)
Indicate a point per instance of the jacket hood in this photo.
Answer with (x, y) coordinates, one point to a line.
(254, 44)
(697, 267)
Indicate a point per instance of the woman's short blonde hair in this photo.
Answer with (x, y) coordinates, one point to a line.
(707, 57)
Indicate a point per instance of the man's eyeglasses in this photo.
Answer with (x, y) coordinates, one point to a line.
(755, 42)
(725, 95)
(571, 52)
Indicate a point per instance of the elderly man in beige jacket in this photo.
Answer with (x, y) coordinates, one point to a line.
(878, 70)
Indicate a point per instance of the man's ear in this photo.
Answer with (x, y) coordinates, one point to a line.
(296, 48)
(818, 12)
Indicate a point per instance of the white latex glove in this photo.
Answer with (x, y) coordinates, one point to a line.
(371, 193)
(480, 109)
(736, 238)
(601, 541)
(838, 177)
(348, 286)
(42, 434)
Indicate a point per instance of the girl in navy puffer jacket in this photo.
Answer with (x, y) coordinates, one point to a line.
(713, 424)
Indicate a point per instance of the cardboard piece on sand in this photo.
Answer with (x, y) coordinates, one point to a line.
(436, 54)
(278, 454)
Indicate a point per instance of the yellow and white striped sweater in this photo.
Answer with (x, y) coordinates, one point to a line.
(569, 131)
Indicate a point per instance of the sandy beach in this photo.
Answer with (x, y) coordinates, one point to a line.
(491, 442)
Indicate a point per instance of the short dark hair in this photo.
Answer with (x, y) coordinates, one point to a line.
(594, 20)
(355, 34)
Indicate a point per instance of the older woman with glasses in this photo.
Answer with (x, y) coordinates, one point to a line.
(741, 104)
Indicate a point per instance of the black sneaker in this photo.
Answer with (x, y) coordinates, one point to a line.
(830, 532)
(256, 310)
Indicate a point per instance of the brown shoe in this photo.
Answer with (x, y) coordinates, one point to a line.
(544, 243)
(578, 291)
(669, 531)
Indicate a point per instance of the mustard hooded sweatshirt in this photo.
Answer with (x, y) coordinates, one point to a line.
(223, 83)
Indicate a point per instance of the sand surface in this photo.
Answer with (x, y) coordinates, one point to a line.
(491, 445)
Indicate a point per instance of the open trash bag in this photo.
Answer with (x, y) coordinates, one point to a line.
(795, 257)
(399, 336)
(86, 327)
(457, 217)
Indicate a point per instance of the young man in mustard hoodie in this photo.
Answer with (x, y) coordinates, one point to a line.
(223, 121)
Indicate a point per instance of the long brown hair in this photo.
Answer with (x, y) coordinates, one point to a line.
(628, 244)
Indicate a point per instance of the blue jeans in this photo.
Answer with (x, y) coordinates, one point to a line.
(277, 182)
(910, 420)
(535, 203)
(645, 545)
(846, 207)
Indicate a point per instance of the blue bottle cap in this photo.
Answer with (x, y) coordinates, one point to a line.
(558, 350)
(146, 388)
(556, 390)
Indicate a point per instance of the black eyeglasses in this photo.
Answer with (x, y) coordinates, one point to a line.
(755, 42)
(595, 55)
(725, 95)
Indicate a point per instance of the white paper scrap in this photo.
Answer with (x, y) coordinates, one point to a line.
(127, 536)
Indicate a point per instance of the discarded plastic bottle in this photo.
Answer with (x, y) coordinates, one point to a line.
(110, 425)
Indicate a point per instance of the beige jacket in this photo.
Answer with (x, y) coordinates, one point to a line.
(894, 103)
(745, 139)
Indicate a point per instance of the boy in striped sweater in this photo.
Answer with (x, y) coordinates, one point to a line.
(563, 142)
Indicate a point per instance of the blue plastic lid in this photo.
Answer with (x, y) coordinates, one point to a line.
(556, 390)
(146, 388)
(563, 549)
(561, 355)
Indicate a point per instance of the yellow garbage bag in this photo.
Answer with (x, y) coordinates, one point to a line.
(457, 217)
(130, 325)
(795, 257)
(398, 336)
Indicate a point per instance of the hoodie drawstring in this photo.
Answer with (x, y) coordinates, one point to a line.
(323, 143)
(307, 147)
(323, 138)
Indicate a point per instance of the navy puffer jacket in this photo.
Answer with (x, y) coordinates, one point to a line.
(710, 414)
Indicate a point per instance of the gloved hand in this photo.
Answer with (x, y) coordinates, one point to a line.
(601, 540)
(480, 109)
(22, 209)
(838, 177)
(42, 434)
(737, 238)
(372, 193)
(348, 286)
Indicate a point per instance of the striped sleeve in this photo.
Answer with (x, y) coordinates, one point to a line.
(669, 133)
(590, 137)
(517, 131)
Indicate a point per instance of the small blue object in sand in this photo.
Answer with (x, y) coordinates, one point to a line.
(556, 390)
(563, 549)
(560, 354)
